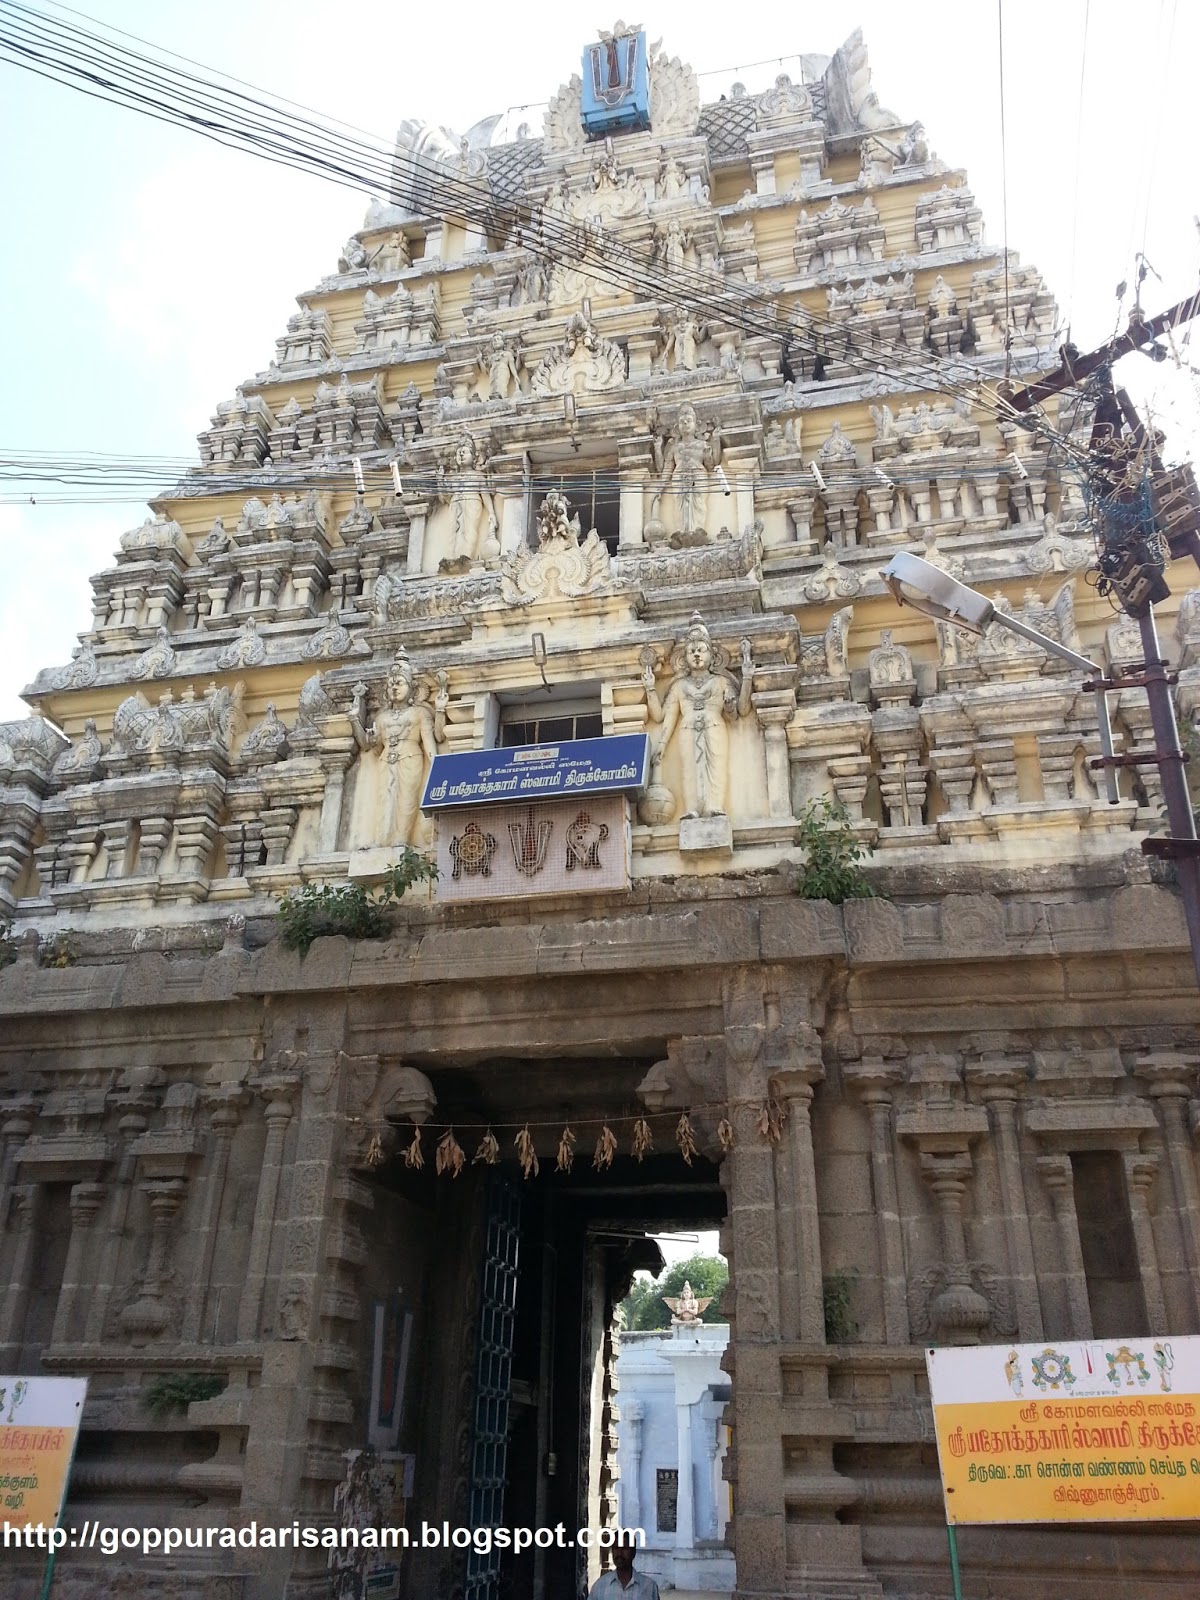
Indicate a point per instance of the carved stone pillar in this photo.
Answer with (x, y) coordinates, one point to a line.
(26, 1209)
(150, 1314)
(881, 499)
(874, 1081)
(86, 1200)
(943, 1132)
(418, 516)
(998, 762)
(632, 1413)
(795, 1084)
(335, 754)
(225, 1117)
(712, 1449)
(1170, 1076)
(801, 508)
(958, 1313)
(130, 1127)
(773, 720)
(1140, 1172)
(754, 1263)
(685, 1519)
(18, 1125)
(753, 1200)
(1059, 1179)
(1056, 758)
(278, 1115)
(998, 1079)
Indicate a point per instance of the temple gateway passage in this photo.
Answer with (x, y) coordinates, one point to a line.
(546, 552)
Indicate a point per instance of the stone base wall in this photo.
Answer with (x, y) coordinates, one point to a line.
(195, 1149)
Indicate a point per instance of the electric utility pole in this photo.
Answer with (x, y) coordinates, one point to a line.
(1146, 515)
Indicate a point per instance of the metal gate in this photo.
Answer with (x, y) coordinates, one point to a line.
(493, 1379)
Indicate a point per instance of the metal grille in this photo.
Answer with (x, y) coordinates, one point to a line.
(493, 1380)
(508, 166)
(725, 125)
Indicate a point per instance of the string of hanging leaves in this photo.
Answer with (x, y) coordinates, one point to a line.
(450, 1157)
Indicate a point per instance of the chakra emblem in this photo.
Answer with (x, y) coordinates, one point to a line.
(472, 851)
(584, 838)
(529, 841)
(1052, 1370)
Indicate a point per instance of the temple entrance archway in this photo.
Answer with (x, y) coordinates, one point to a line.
(505, 1283)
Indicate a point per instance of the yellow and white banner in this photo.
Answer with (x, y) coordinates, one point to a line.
(39, 1423)
(1107, 1430)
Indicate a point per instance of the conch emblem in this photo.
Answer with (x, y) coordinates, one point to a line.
(584, 838)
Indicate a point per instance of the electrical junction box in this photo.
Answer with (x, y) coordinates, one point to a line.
(616, 85)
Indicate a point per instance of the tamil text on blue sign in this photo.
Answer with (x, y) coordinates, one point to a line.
(538, 772)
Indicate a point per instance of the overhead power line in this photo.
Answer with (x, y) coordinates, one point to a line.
(81, 59)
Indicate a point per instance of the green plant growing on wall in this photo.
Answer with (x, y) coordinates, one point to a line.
(58, 952)
(316, 910)
(832, 852)
(836, 1290)
(174, 1392)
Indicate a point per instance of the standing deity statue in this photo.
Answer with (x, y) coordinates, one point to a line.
(498, 365)
(702, 700)
(689, 463)
(531, 284)
(672, 245)
(406, 732)
(679, 351)
(473, 521)
(672, 181)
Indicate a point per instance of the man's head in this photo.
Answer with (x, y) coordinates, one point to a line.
(623, 1555)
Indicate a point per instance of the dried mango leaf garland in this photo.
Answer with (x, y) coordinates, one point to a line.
(526, 1154)
(489, 1150)
(566, 1150)
(606, 1149)
(685, 1138)
(450, 1156)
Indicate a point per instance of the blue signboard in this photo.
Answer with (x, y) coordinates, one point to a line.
(616, 85)
(538, 771)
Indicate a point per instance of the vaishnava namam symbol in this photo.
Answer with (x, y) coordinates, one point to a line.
(529, 841)
(687, 1308)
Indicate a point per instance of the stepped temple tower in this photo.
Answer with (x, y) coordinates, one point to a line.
(547, 550)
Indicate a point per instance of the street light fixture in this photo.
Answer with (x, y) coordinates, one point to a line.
(915, 582)
(918, 583)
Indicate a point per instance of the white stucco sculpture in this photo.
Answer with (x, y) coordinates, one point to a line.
(406, 732)
(472, 521)
(690, 462)
(702, 700)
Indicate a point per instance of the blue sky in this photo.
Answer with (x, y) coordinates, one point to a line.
(147, 271)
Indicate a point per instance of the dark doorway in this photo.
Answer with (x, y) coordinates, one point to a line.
(582, 1239)
(515, 1280)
